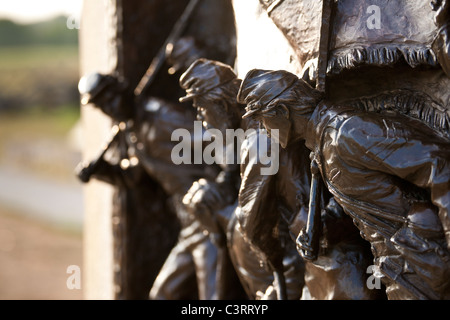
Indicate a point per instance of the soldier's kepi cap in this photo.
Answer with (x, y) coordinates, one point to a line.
(91, 85)
(203, 76)
(260, 87)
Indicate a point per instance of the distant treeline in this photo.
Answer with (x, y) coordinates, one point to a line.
(51, 32)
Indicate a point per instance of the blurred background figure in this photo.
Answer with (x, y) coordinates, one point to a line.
(41, 202)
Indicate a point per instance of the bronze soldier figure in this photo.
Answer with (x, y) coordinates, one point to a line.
(190, 271)
(152, 153)
(363, 175)
(213, 87)
(390, 172)
(118, 165)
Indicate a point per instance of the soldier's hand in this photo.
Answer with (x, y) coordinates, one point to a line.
(304, 247)
(199, 202)
(203, 193)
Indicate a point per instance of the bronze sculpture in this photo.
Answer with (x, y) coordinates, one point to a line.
(213, 87)
(371, 106)
(118, 166)
(402, 205)
(153, 157)
(146, 126)
(290, 187)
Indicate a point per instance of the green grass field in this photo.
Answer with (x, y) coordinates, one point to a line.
(44, 76)
(34, 75)
(39, 105)
(38, 141)
(37, 123)
(38, 57)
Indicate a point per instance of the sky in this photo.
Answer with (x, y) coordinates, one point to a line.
(27, 11)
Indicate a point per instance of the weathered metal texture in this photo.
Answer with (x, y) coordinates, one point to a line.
(406, 32)
(395, 53)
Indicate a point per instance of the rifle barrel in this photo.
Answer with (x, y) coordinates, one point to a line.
(160, 57)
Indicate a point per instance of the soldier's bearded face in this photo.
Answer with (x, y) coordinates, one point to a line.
(214, 115)
(282, 124)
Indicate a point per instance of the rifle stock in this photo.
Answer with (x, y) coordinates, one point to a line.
(308, 239)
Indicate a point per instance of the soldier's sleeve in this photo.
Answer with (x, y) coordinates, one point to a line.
(256, 198)
(404, 148)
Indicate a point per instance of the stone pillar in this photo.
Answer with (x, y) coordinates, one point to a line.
(121, 256)
(98, 52)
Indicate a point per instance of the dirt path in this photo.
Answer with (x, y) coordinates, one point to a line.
(34, 259)
(58, 202)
